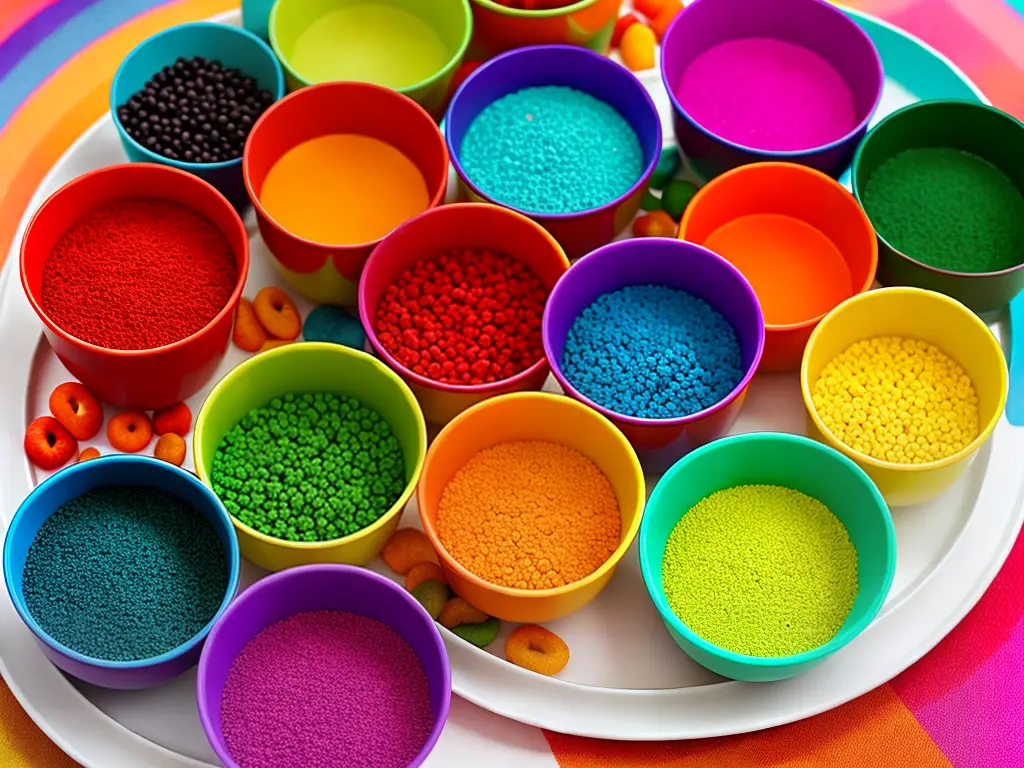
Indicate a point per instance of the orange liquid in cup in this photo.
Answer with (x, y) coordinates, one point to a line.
(343, 189)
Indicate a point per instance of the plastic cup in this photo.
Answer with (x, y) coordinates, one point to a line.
(232, 47)
(683, 266)
(970, 127)
(451, 19)
(329, 274)
(790, 461)
(320, 588)
(916, 314)
(69, 484)
(498, 28)
(144, 379)
(797, 235)
(531, 416)
(313, 367)
(466, 225)
(583, 70)
(813, 24)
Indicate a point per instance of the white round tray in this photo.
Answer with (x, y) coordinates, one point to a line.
(626, 680)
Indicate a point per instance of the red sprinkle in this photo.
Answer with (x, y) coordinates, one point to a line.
(138, 274)
(467, 317)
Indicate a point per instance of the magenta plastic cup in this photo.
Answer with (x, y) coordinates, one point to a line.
(320, 588)
(813, 24)
(675, 264)
(565, 65)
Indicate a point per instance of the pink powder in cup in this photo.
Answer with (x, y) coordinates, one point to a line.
(767, 95)
(326, 689)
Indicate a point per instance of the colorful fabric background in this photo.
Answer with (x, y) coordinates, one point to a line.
(961, 705)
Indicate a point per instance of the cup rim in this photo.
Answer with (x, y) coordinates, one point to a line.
(158, 168)
(244, 369)
(857, 191)
(566, 10)
(628, 535)
(776, 154)
(595, 59)
(986, 338)
(856, 208)
(153, 157)
(423, 381)
(639, 421)
(255, 592)
(651, 571)
(322, 88)
(440, 74)
(233, 562)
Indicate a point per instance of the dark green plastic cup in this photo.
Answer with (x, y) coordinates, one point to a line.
(976, 128)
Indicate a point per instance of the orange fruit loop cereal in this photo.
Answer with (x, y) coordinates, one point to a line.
(537, 649)
(248, 334)
(48, 444)
(457, 611)
(77, 409)
(89, 453)
(423, 572)
(129, 432)
(277, 313)
(170, 447)
(176, 418)
(407, 547)
(654, 224)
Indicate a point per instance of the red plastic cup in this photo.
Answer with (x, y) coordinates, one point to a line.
(463, 225)
(144, 379)
(329, 274)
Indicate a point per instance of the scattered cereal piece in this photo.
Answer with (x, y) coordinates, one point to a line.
(249, 334)
(408, 547)
(129, 432)
(481, 635)
(171, 447)
(274, 344)
(334, 325)
(537, 649)
(676, 197)
(176, 418)
(277, 313)
(665, 17)
(457, 611)
(668, 166)
(654, 224)
(48, 443)
(637, 47)
(89, 453)
(77, 409)
(423, 572)
(624, 23)
(650, 201)
(432, 595)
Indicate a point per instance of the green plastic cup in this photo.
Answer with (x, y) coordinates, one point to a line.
(970, 127)
(791, 461)
(414, 47)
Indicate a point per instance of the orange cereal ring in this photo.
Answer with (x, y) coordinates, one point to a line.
(457, 611)
(248, 334)
(537, 649)
(89, 453)
(48, 444)
(423, 572)
(177, 419)
(170, 447)
(129, 432)
(77, 409)
(277, 313)
(407, 547)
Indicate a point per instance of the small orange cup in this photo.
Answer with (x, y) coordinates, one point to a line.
(531, 416)
(797, 235)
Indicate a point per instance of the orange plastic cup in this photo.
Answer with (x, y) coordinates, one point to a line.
(797, 235)
(531, 416)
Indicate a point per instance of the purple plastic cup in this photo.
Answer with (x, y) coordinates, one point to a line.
(573, 67)
(684, 266)
(320, 588)
(813, 24)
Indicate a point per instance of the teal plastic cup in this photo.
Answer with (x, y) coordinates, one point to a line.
(231, 46)
(791, 461)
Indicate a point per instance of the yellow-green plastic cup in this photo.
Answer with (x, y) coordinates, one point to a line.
(308, 368)
(414, 47)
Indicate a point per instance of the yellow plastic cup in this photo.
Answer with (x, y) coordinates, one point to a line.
(917, 314)
(309, 368)
(531, 416)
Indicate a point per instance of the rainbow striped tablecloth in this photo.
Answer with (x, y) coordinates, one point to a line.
(961, 705)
